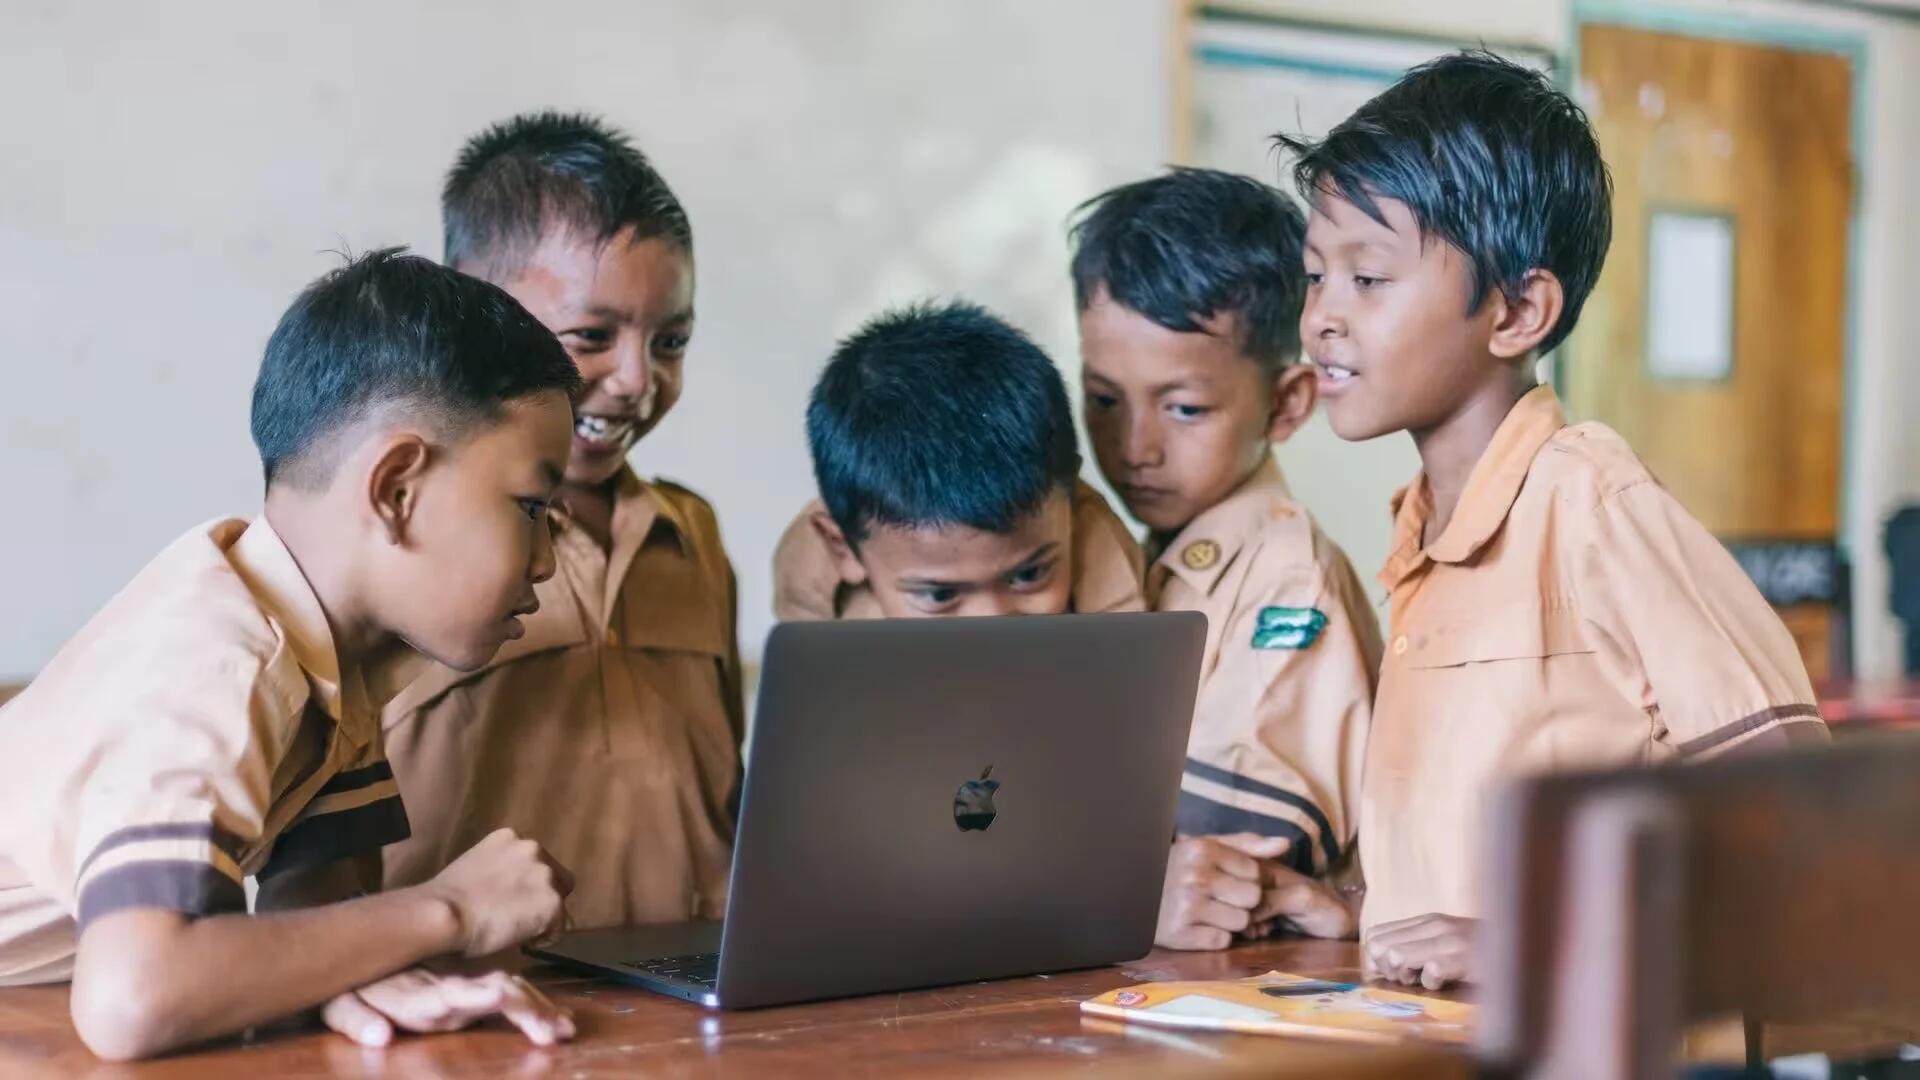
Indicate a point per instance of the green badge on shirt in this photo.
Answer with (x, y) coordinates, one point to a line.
(1288, 627)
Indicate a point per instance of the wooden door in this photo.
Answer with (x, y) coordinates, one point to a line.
(1757, 139)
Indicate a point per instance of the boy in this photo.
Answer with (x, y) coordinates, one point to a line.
(627, 683)
(1189, 291)
(1552, 605)
(944, 449)
(217, 720)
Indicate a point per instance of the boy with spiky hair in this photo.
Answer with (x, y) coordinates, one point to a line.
(626, 687)
(948, 470)
(218, 720)
(1189, 289)
(1553, 606)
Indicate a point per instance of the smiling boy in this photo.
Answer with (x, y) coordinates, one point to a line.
(627, 683)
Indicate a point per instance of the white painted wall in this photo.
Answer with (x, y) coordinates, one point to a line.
(1884, 392)
(173, 173)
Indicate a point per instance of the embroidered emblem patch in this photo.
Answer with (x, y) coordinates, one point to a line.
(1288, 627)
(1200, 555)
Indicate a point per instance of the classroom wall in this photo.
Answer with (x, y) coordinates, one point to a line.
(174, 173)
(1512, 22)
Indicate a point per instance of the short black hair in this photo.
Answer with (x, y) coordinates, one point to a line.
(939, 414)
(1194, 244)
(544, 170)
(1487, 155)
(391, 330)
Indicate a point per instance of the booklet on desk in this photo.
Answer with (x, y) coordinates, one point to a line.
(1281, 1004)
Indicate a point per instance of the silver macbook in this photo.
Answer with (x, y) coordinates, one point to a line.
(938, 801)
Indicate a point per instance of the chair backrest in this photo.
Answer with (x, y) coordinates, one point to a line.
(1624, 905)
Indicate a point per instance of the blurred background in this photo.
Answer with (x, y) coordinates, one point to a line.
(174, 173)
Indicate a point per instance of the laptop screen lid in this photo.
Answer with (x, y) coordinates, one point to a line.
(946, 800)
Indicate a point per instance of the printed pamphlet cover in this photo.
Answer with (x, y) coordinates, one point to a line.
(1280, 1004)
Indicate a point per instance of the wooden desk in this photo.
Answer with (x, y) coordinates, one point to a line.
(1013, 1027)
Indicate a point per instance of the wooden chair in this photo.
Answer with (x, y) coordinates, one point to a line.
(1626, 905)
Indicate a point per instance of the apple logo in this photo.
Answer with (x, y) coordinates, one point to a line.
(973, 803)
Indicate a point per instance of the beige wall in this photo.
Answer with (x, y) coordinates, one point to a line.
(1523, 22)
(174, 172)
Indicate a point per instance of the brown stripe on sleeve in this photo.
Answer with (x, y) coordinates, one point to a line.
(1749, 723)
(220, 838)
(355, 779)
(325, 837)
(1197, 815)
(1237, 782)
(191, 888)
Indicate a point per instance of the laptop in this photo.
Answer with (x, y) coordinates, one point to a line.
(937, 801)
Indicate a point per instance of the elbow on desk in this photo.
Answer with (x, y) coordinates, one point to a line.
(128, 1000)
(120, 1020)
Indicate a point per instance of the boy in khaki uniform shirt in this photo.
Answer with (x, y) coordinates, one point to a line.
(217, 720)
(1553, 606)
(626, 687)
(1189, 291)
(948, 470)
(1625, 633)
(809, 587)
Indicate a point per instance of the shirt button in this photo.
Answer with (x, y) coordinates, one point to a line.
(1400, 645)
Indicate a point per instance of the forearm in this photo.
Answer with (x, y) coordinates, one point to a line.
(149, 981)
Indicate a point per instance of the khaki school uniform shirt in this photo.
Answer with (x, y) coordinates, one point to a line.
(1572, 614)
(609, 732)
(198, 730)
(1107, 568)
(1287, 679)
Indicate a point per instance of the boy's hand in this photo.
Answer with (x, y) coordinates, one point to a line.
(423, 1001)
(1307, 904)
(503, 891)
(1430, 950)
(1213, 886)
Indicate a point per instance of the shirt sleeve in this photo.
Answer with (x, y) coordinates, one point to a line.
(1682, 630)
(174, 789)
(805, 580)
(732, 681)
(1109, 569)
(1281, 725)
(355, 813)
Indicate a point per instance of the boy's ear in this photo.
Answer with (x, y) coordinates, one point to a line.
(1522, 322)
(1296, 388)
(844, 560)
(393, 484)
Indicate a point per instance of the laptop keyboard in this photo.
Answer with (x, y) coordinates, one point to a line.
(700, 968)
